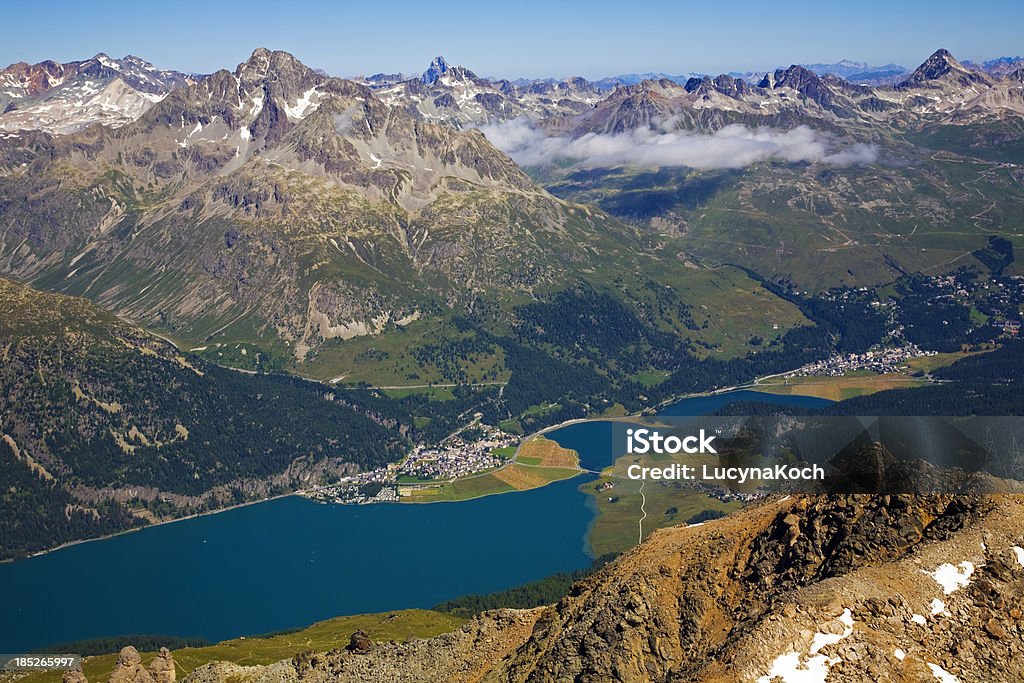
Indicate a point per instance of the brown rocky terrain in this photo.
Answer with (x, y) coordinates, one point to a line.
(807, 588)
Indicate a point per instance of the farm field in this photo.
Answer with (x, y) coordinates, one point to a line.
(839, 388)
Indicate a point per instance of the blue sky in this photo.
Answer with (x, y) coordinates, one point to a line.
(521, 38)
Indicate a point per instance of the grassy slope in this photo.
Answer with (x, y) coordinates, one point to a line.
(514, 477)
(822, 226)
(616, 528)
(728, 307)
(320, 637)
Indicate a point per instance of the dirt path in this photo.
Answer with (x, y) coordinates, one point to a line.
(643, 502)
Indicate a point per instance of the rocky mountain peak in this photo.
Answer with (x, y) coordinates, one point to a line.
(100, 66)
(726, 85)
(276, 88)
(446, 73)
(694, 83)
(27, 80)
(802, 80)
(796, 77)
(939, 64)
(942, 66)
(437, 68)
(265, 64)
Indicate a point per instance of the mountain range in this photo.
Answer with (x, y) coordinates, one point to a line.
(66, 97)
(311, 213)
(316, 210)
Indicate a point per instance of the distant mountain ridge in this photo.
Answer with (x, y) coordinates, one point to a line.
(999, 67)
(456, 96)
(855, 72)
(63, 98)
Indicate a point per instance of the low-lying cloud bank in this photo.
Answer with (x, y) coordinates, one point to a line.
(734, 146)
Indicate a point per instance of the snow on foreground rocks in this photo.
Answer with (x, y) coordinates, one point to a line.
(951, 578)
(942, 675)
(793, 667)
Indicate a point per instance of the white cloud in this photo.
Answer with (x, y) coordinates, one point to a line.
(734, 146)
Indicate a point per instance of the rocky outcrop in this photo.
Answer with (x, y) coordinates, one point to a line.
(74, 675)
(162, 668)
(129, 668)
(360, 643)
(281, 672)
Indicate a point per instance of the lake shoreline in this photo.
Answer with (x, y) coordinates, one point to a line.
(154, 525)
(301, 492)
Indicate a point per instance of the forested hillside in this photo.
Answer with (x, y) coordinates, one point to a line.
(104, 427)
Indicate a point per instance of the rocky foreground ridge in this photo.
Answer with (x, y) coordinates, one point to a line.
(810, 588)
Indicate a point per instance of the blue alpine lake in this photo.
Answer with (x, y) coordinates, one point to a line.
(594, 443)
(290, 562)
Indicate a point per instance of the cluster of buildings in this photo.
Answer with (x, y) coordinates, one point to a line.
(458, 457)
(881, 361)
(1000, 298)
(1010, 327)
(469, 451)
(375, 486)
